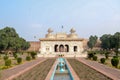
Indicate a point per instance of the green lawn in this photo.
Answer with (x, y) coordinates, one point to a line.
(14, 61)
(108, 61)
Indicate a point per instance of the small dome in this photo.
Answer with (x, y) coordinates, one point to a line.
(50, 30)
(72, 30)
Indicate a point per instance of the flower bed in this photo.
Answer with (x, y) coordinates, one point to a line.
(84, 72)
(39, 72)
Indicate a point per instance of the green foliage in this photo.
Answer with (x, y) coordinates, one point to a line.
(0, 55)
(5, 57)
(107, 54)
(115, 57)
(19, 60)
(115, 62)
(10, 40)
(90, 55)
(15, 55)
(102, 60)
(110, 41)
(28, 58)
(95, 58)
(4, 67)
(8, 62)
(92, 41)
(33, 54)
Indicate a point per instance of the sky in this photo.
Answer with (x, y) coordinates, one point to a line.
(33, 17)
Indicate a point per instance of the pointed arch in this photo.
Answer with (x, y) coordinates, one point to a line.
(61, 48)
(67, 48)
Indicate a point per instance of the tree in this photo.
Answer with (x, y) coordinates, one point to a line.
(10, 40)
(92, 41)
(105, 39)
(110, 41)
(117, 41)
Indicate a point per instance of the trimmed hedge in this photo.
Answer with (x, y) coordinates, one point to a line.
(19, 60)
(115, 62)
(102, 60)
(33, 54)
(5, 57)
(90, 55)
(95, 58)
(28, 58)
(8, 62)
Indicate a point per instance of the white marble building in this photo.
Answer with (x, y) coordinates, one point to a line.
(69, 45)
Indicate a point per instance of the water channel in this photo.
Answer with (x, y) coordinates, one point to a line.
(61, 71)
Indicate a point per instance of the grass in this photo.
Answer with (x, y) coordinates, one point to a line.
(39, 72)
(84, 72)
(108, 62)
(14, 61)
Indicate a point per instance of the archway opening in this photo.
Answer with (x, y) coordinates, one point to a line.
(75, 48)
(66, 48)
(61, 48)
(56, 48)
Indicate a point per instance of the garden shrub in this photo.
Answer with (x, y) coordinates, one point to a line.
(28, 58)
(8, 62)
(15, 55)
(107, 54)
(5, 57)
(115, 62)
(33, 54)
(102, 60)
(19, 60)
(90, 55)
(0, 56)
(115, 56)
(95, 58)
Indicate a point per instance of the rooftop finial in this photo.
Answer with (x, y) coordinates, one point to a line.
(50, 30)
(72, 30)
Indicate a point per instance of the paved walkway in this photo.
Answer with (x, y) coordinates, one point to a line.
(108, 71)
(17, 70)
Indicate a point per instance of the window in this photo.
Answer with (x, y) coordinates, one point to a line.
(75, 48)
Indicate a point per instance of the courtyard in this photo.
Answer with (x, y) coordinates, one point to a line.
(59, 40)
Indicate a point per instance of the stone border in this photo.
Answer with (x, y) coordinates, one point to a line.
(25, 70)
(72, 71)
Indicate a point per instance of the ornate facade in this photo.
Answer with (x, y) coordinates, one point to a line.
(69, 45)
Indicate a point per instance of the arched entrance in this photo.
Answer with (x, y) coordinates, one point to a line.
(66, 48)
(56, 48)
(61, 48)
